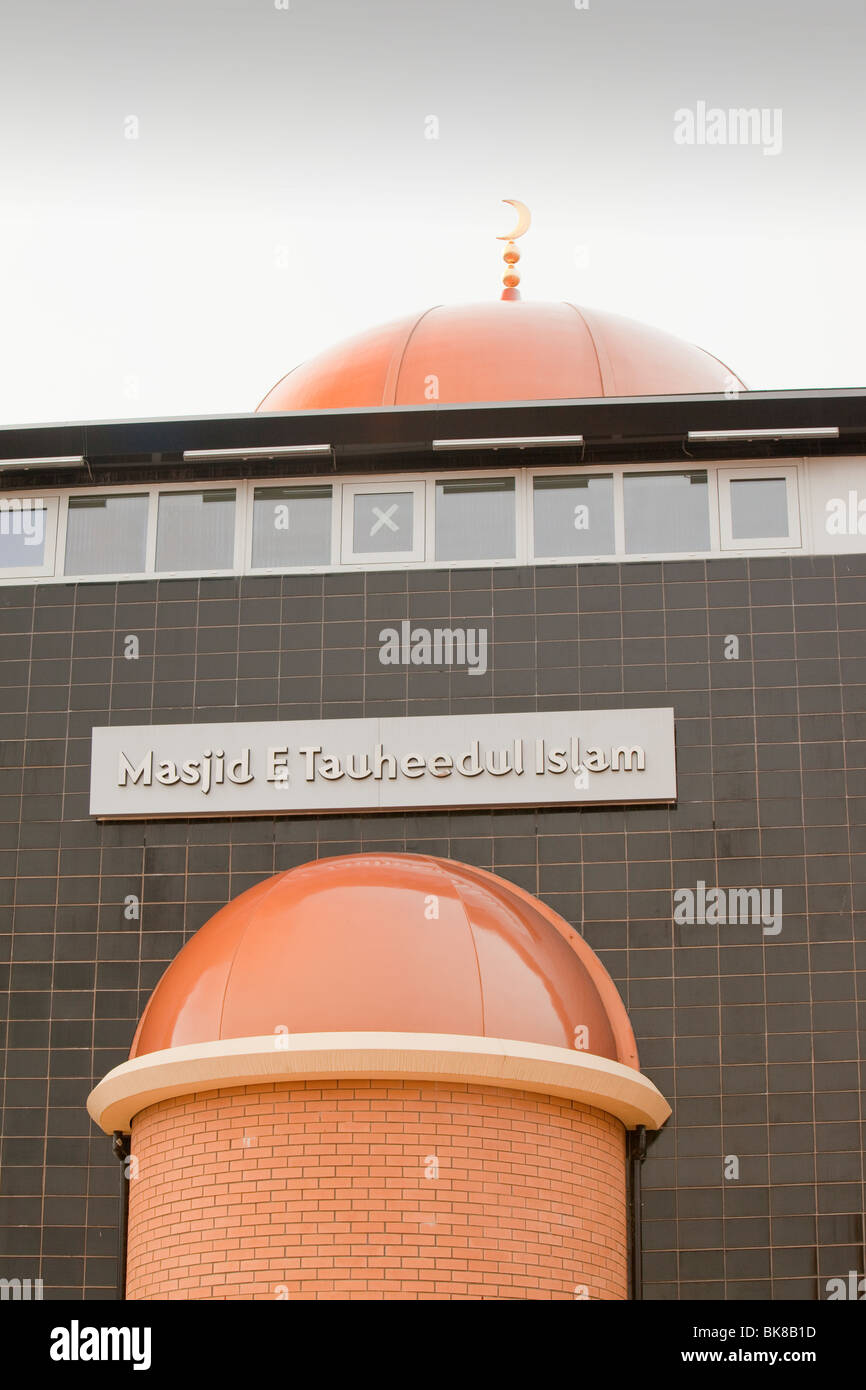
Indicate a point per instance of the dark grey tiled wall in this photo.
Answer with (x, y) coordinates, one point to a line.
(756, 1040)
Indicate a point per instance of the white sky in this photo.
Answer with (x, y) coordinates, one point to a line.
(148, 277)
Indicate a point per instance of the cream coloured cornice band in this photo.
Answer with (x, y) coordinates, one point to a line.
(557, 1071)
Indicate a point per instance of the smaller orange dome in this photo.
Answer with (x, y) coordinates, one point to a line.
(387, 943)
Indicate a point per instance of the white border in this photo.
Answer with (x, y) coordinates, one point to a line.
(789, 473)
(382, 559)
(10, 575)
(239, 491)
(258, 485)
(616, 500)
(423, 486)
(195, 1068)
(521, 536)
(712, 513)
(146, 492)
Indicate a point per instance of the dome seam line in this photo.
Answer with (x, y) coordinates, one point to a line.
(468, 918)
(601, 373)
(278, 879)
(713, 358)
(279, 382)
(386, 387)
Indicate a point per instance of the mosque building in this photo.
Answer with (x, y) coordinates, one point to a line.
(433, 828)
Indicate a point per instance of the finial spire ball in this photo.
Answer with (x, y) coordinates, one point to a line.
(511, 255)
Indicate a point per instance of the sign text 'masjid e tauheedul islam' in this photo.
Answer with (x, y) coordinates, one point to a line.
(614, 755)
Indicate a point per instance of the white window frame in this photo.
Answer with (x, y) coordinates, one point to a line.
(145, 491)
(385, 558)
(263, 485)
(790, 472)
(423, 487)
(596, 557)
(153, 492)
(522, 533)
(668, 467)
(10, 574)
(240, 518)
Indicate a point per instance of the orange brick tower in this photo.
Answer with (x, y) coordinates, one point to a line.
(380, 1077)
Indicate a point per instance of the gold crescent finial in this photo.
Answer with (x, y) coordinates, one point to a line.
(524, 218)
(511, 255)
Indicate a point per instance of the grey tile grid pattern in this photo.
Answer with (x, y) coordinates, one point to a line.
(756, 1040)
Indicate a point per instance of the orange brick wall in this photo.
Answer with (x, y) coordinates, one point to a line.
(319, 1190)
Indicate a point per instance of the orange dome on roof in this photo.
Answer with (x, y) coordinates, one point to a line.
(387, 943)
(504, 350)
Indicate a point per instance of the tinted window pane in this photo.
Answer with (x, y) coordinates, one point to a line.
(22, 534)
(666, 512)
(475, 519)
(573, 516)
(382, 521)
(196, 530)
(759, 507)
(291, 526)
(106, 535)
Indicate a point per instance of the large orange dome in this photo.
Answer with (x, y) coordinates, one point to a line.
(398, 943)
(504, 350)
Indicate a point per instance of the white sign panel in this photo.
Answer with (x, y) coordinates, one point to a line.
(313, 767)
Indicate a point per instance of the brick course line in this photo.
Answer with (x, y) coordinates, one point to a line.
(332, 1201)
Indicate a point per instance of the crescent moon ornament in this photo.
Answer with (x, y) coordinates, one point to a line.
(524, 218)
